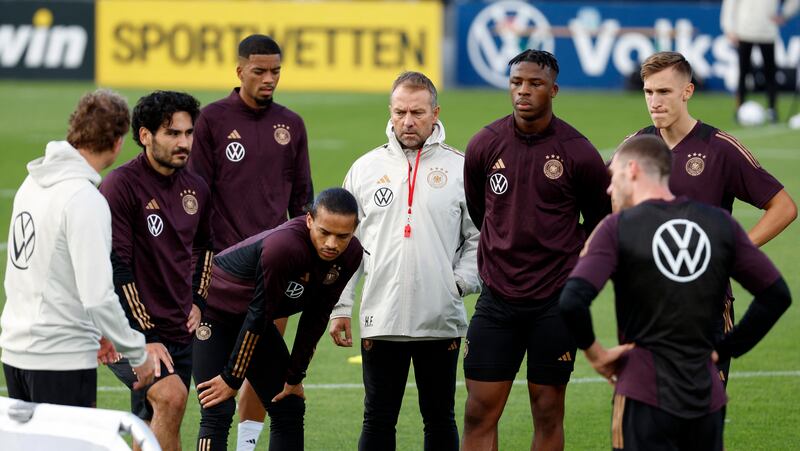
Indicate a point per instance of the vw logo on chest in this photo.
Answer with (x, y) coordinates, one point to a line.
(155, 225)
(498, 183)
(383, 197)
(235, 151)
(294, 290)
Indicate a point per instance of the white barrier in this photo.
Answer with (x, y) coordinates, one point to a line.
(28, 426)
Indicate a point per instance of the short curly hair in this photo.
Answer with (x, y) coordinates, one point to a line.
(156, 109)
(99, 120)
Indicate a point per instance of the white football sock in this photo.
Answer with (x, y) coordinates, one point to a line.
(248, 435)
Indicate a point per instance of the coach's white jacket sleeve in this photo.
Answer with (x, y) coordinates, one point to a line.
(344, 308)
(466, 266)
(87, 222)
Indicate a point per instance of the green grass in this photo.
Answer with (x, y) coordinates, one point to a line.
(763, 412)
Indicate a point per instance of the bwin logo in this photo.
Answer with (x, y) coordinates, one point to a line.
(294, 290)
(23, 238)
(681, 250)
(44, 45)
(155, 225)
(383, 197)
(499, 183)
(235, 151)
(498, 33)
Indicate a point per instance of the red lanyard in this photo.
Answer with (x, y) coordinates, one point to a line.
(412, 183)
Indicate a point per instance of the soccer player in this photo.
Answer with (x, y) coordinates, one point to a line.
(59, 290)
(528, 178)
(253, 153)
(300, 266)
(670, 258)
(709, 165)
(160, 220)
(423, 248)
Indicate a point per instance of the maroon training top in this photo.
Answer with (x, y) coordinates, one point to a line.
(256, 164)
(156, 223)
(713, 167)
(526, 193)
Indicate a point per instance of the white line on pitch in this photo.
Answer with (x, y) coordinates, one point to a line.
(577, 380)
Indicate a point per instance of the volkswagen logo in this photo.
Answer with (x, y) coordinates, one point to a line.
(294, 290)
(155, 225)
(681, 250)
(383, 197)
(23, 237)
(498, 183)
(235, 151)
(499, 32)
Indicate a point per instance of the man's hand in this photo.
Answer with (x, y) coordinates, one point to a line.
(145, 373)
(159, 354)
(733, 38)
(296, 390)
(107, 352)
(339, 325)
(214, 391)
(604, 361)
(194, 319)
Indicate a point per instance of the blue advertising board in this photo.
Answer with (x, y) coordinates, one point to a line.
(600, 45)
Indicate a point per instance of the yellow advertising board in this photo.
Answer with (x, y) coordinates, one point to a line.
(327, 46)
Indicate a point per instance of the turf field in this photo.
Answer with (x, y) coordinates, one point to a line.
(765, 384)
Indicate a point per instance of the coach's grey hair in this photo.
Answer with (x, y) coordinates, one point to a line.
(417, 80)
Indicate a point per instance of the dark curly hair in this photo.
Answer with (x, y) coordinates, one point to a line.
(100, 118)
(541, 57)
(156, 109)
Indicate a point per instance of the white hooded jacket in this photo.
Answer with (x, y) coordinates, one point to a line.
(752, 20)
(410, 289)
(59, 290)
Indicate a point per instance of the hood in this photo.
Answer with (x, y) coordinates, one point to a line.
(437, 137)
(61, 162)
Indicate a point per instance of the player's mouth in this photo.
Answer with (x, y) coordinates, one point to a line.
(524, 105)
(329, 253)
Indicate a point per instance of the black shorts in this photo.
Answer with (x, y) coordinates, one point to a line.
(181, 362)
(639, 426)
(67, 388)
(501, 332)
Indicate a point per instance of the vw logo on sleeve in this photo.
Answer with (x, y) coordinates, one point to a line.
(681, 250)
(383, 197)
(235, 151)
(23, 240)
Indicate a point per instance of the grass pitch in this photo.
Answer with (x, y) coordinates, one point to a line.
(765, 384)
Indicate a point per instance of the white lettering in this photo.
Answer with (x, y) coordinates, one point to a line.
(593, 58)
(13, 43)
(626, 45)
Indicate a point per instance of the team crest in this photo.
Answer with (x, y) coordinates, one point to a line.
(189, 201)
(282, 135)
(437, 178)
(294, 290)
(332, 275)
(203, 332)
(553, 168)
(155, 225)
(696, 164)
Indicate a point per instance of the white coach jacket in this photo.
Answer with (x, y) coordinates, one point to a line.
(59, 290)
(410, 287)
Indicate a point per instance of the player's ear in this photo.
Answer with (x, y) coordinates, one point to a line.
(145, 136)
(688, 91)
(554, 92)
(309, 220)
